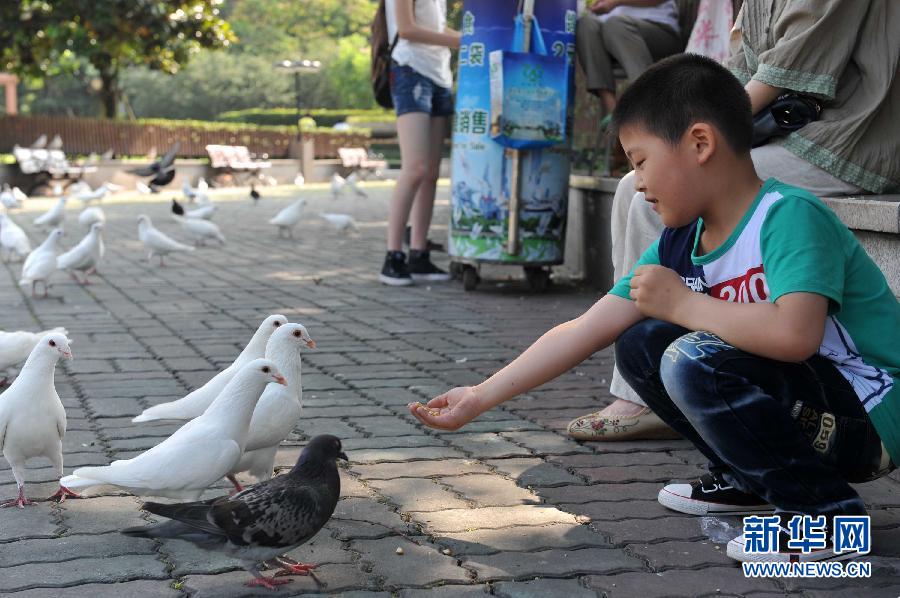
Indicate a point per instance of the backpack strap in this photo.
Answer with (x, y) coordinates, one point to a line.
(393, 43)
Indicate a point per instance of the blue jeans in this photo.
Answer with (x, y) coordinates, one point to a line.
(413, 92)
(791, 433)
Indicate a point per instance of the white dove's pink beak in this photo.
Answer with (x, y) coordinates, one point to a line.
(310, 343)
(281, 380)
(66, 354)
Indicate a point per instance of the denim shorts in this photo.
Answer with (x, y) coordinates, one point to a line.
(414, 92)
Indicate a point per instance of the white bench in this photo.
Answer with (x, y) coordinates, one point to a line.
(358, 159)
(235, 160)
(45, 165)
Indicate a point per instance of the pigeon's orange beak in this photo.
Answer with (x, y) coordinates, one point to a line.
(66, 354)
(281, 380)
(310, 343)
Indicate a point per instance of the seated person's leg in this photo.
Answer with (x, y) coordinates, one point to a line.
(791, 433)
(636, 43)
(774, 161)
(594, 58)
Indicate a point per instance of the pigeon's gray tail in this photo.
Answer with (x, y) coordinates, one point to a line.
(176, 530)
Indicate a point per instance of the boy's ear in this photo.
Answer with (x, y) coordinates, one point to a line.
(701, 138)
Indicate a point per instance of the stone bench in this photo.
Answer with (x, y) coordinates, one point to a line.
(874, 219)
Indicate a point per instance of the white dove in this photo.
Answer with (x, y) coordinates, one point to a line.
(199, 453)
(204, 212)
(16, 346)
(279, 406)
(91, 215)
(196, 402)
(288, 218)
(353, 182)
(85, 256)
(32, 418)
(99, 193)
(337, 184)
(41, 262)
(8, 198)
(19, 194)
(189, 192)
(340, 222)
(156, 242)
(54, 216)
(12, 238)
(199, 230)
(143, 188)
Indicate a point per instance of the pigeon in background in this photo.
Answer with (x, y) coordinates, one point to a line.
(54, 216)
(299, 180)
(156, 242)
(56, 143)
(254, 194)
(162, 170)
(337, 185)
(143, 188)
(288, 218)
(279, 406)
(341, 222)
(353, 183)
(8, 198)
(198, 229)
(91, 215)
(16, 346)
(198, 454)
(196, 402)
(84, 257)
(204, 212)
(189, 192)
(32, 418)
(41, 262)
(263, 522)
(87, 195)
(13, 239)
(40, 142)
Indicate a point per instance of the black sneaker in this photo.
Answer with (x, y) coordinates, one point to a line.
(421, 268)
(394, 272)
(711, 494)
(737, 547)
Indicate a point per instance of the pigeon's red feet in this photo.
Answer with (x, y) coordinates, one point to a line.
(20, 501)
(270, 583)
(237, 485)
(294, 569)
(62, 494)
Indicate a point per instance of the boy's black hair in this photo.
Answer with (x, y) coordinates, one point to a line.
(683, 89)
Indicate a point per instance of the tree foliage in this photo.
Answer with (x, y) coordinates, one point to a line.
(41, 38)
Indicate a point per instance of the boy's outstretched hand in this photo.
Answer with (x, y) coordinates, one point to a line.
(658, 292)
(449, 411)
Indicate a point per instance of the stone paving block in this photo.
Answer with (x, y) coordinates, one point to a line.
(600, 492)
(383, 442)
(663, 474)
(728, 580)
(448, 591)
(542, 588)
(490, 491)
(618, 510)
(520, 538)
(68, 547)
(81, 571)
(342, 411)
(651, 530)
(419, 469)
(314, 427)
(231, 585)
(128, 589)
(403, 454)
(412, 494)
(102, 514)
(486, 445)
(545, 443)
(366, 509)
(38, 521)
(640, 459)
(551, 563)
(189, 559)
(421, 564)
(457, 520)
(534, 472)
(506, 425)
(682, 555)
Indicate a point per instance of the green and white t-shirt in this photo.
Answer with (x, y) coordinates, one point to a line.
(791, 242)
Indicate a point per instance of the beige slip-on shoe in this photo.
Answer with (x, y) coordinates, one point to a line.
(646, 425)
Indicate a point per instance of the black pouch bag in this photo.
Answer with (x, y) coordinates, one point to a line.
(788, 113)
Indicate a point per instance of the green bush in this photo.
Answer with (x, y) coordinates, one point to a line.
(383, 117)
(324, 117)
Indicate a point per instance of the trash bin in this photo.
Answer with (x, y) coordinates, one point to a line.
(512, 133)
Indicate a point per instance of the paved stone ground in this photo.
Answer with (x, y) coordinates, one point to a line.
(508, 506)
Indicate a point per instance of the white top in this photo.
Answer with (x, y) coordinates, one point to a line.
(427, 59)
(665, 13)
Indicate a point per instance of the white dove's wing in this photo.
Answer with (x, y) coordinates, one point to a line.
(192, 404)
(159, 241)
(39, 265)
(80, 256)
(193, 458)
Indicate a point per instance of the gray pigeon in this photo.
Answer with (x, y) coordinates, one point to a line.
(264, 521)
